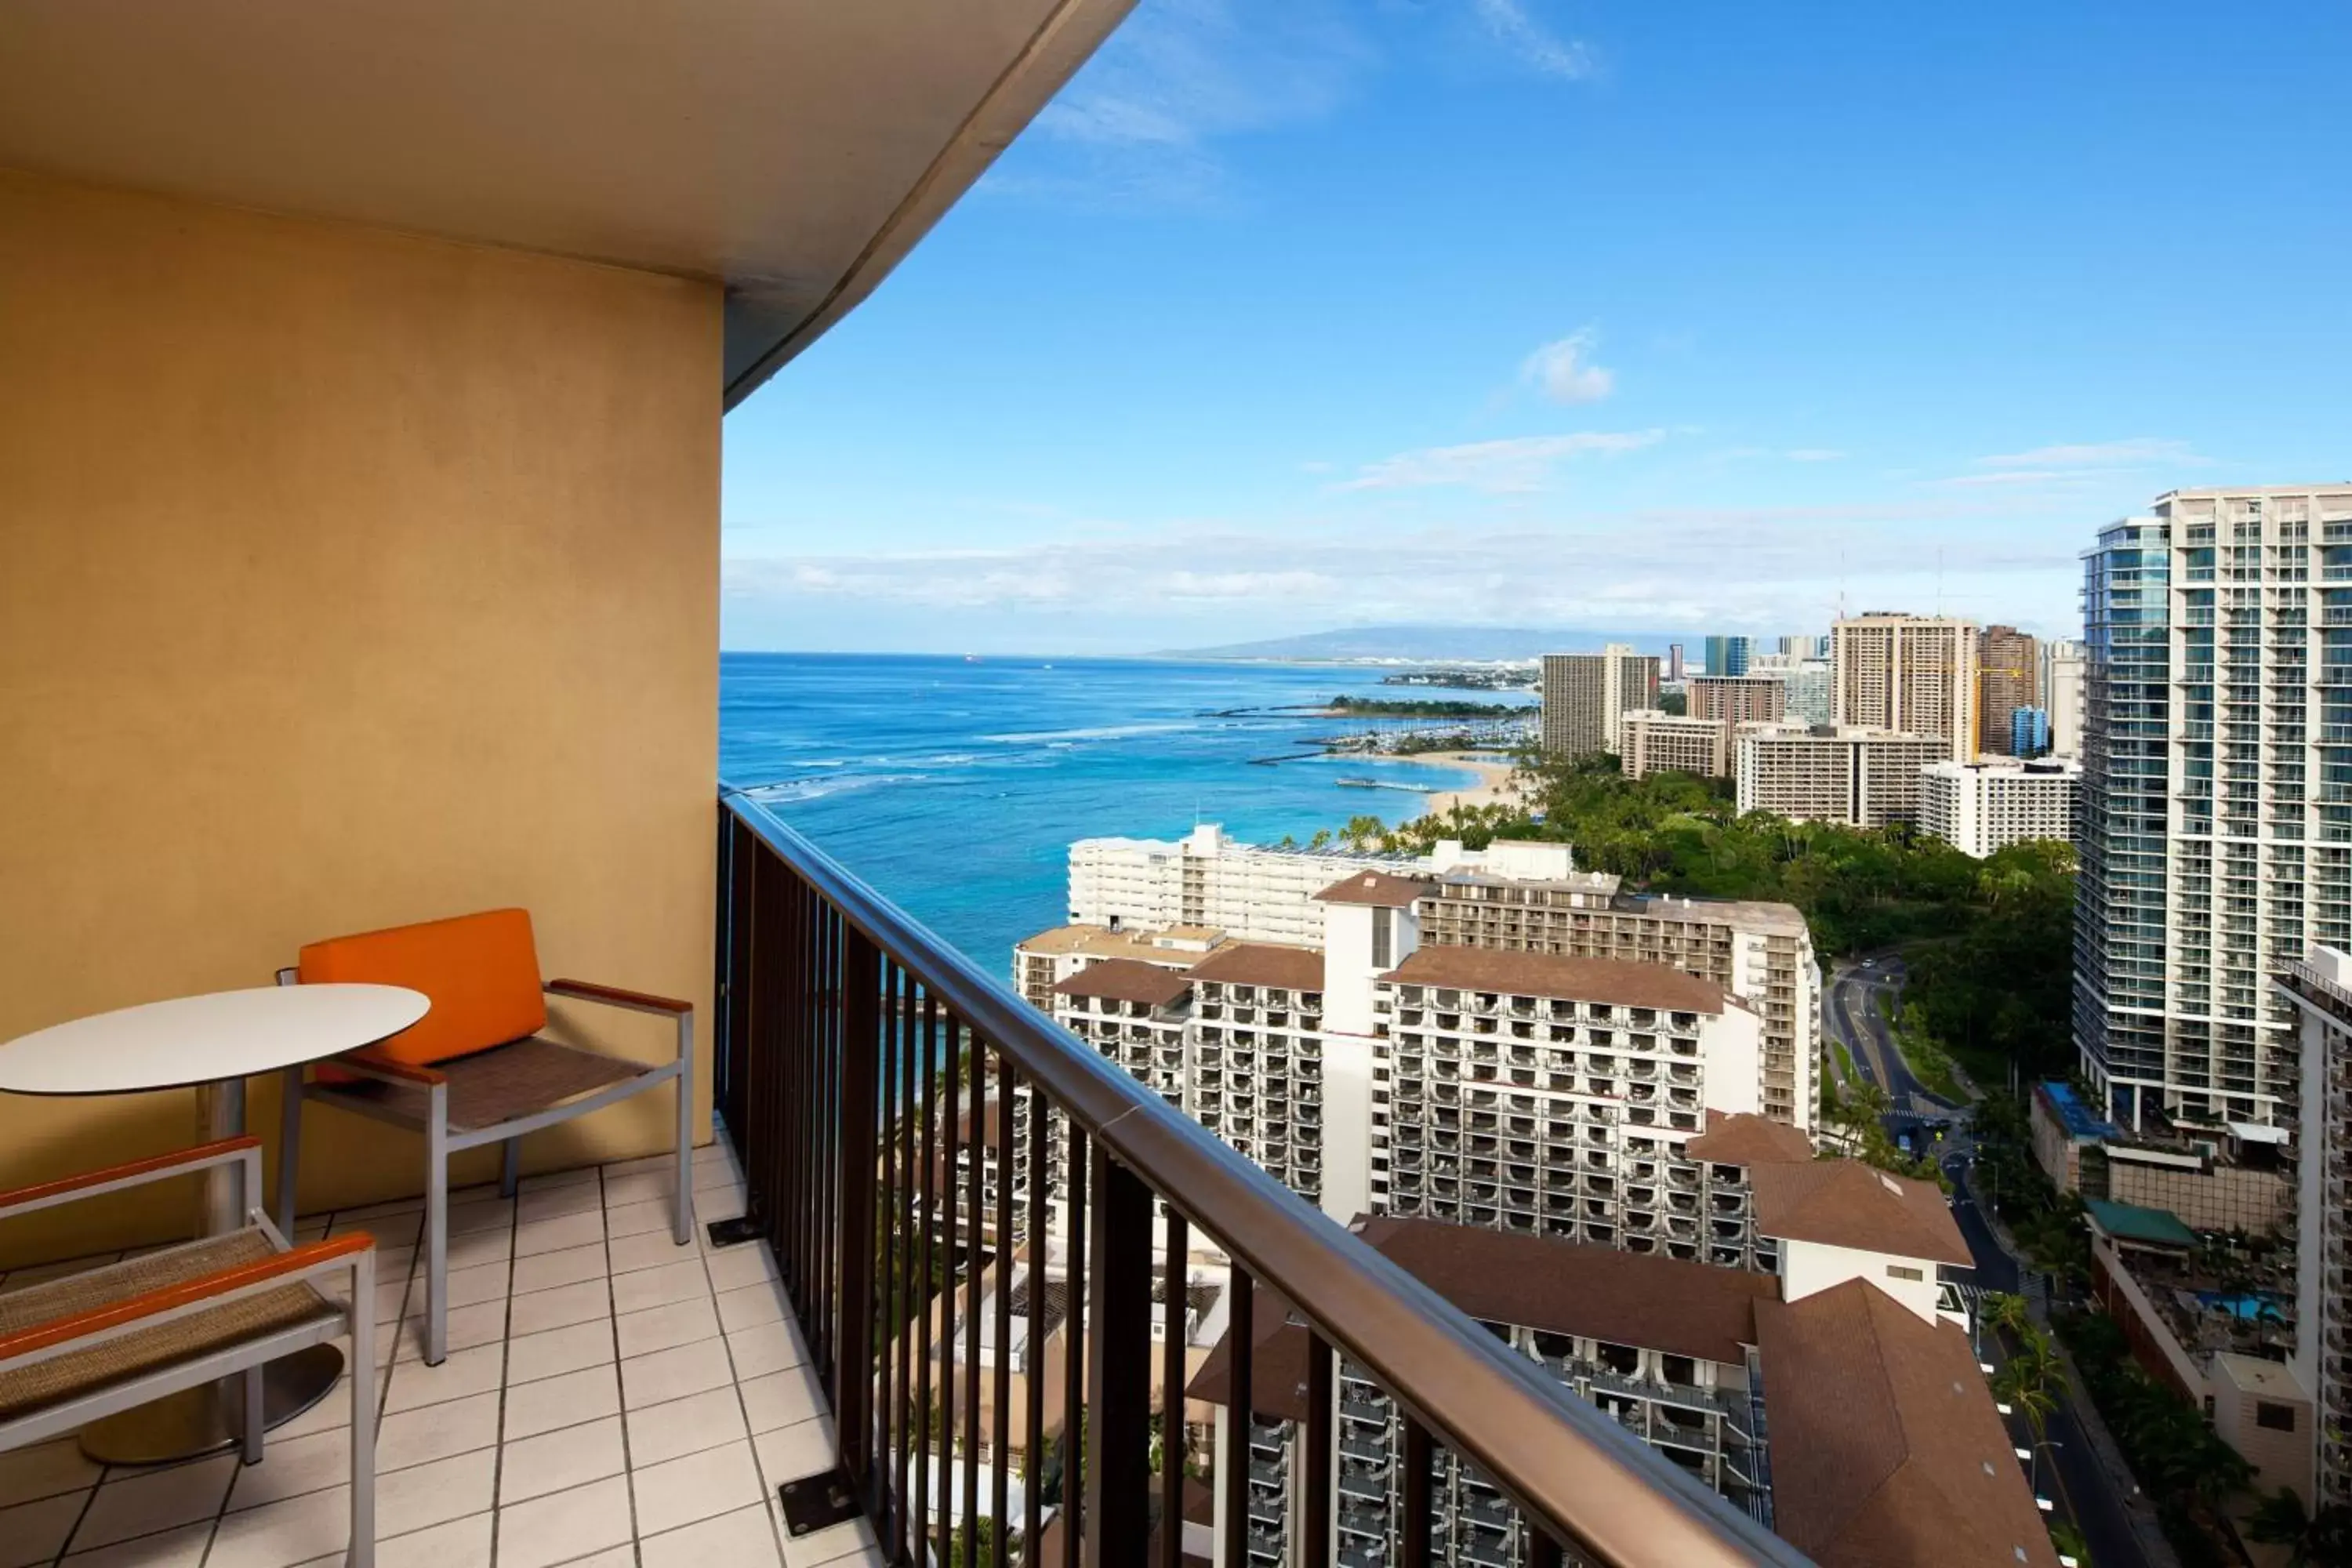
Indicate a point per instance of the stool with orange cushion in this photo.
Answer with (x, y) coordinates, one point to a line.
(475, 1069)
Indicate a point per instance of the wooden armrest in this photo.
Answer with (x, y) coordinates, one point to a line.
(612, 995)
(188, 1292)
(368, 1059)
(130, 1169)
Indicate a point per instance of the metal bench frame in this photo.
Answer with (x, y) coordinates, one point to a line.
(354, 1255)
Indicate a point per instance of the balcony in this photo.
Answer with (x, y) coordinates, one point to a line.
(1126, 1155)
(425, 535)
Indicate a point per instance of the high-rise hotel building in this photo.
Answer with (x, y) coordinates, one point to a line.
(1910, 674)
(2061, 695)
(1730, 655)
(2217, 793)
(2320, 990)
(1864, 778)
(1761, 951)
(1586, 696)
(1740, 699)
(1650, 741)
(2009, 677)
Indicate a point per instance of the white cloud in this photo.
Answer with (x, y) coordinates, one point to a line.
(1765, 566)
(1529, 39)
(1794, 455)
(1139, 123)
(2140, 452)
(1519, 463)
(2023, 477)
(1267, 585)
(1562, 371)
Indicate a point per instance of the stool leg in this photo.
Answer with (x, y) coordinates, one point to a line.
(250, 1418)
(437, 1228)
(682, 1222)
(363, 1376)
(289, 1147)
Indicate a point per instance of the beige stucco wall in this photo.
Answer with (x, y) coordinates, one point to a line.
(2280, 1459)
(346, 578)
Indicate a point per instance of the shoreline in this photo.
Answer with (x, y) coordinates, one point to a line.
(1493, 786)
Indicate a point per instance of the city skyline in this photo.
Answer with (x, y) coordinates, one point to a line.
(1314, 324)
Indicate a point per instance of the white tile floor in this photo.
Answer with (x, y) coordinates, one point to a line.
(611, 1400)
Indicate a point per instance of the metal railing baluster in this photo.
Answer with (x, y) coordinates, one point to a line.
(1175, 1276)
(999, 1440)
(1233, 1464)
(1074, 1358)
(852, 1057)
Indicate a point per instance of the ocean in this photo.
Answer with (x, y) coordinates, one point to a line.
(955, 788)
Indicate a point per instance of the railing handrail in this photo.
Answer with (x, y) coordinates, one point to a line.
(1562, 1459)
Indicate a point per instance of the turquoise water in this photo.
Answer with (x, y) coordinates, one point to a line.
(2249, 1306)
(956, 787)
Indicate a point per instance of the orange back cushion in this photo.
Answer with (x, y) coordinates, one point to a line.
(481, 971)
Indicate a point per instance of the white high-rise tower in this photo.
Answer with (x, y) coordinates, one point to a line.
(2217, 793)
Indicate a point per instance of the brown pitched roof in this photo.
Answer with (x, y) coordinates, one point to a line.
(1643, 1300)
(1886, 1451)
(1128, 980)
(1845, 1203)
(1749, 1139)
(1277, 1361)
(1569, 979)
(1638, 1300)
(1375, 888)
(1264, 964)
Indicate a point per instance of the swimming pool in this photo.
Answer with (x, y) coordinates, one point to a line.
(2249, 1306)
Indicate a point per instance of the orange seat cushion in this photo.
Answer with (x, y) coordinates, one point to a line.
(480, 971)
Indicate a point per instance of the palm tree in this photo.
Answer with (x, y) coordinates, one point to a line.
(2031, 1380)
(2000, 1310)
(2069, 1543)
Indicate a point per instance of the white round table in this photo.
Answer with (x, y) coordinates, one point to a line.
(212, 1043)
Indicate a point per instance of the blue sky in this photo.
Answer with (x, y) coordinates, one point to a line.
(1665, 316)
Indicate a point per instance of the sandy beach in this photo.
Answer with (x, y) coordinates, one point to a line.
(1493, 786)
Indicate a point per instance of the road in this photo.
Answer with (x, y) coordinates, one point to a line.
(2066, 1469)
(1850, 1015)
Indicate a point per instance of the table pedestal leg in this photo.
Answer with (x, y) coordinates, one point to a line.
(207, 1419)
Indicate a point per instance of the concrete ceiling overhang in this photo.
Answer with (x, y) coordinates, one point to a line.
(793, 150)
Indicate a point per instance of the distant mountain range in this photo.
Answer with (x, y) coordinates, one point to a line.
(1427, 645)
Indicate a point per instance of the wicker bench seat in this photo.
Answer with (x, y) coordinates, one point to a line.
(26, 1389)
(89, 1345)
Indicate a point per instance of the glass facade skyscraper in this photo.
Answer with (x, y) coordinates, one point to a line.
(2217, 793)
(2029, 732)
(1728, 655)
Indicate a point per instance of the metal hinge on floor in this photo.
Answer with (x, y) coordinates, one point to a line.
(818, 1502)
(732, 1232)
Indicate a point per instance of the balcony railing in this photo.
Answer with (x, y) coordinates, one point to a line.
(860, 1059)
